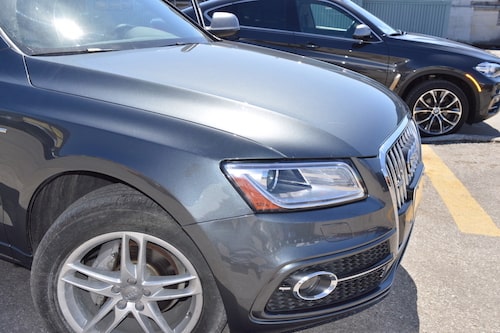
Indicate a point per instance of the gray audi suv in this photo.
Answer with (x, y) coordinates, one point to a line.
(155, 178)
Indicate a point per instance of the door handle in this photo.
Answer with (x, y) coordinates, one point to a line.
(312, 46)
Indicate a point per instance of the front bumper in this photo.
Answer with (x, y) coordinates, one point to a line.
(365, 274)
(488, 99)
(258, 259)
(255, 258)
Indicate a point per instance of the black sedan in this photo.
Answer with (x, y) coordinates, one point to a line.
(444, 83)
(146, 198)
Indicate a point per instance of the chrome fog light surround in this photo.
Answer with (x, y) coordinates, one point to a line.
(315, 285)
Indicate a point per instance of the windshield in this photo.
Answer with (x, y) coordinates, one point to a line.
(43, 27)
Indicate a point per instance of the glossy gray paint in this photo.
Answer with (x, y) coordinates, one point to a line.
(237, 98)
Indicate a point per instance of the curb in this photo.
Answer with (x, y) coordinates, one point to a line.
(460, 138)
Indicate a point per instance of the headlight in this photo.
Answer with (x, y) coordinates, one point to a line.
(284, 186)
(489, 69)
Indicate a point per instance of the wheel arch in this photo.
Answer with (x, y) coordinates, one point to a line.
(456, 78)
(61, 190)
(57, 194)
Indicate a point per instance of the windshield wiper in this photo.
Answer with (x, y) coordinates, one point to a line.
(71, 52)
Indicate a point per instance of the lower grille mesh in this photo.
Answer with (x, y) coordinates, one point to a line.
(283, 301)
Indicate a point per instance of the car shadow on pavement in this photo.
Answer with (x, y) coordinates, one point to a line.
(482, 129)
(478, 132)
(397, 313)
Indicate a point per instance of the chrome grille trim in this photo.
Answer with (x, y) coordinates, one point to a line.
(400, 157)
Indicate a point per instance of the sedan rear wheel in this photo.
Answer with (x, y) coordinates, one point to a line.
(115, 262)
(439, 107)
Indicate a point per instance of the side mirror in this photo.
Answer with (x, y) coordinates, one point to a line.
(362, 32)
(224, 25)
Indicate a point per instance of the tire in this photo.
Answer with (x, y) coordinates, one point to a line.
(439, 107)
(114, 261)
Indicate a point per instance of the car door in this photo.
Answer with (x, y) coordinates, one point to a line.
(325, 32)
(13, 88)
(262, 22)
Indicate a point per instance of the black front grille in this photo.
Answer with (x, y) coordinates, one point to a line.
(358, 266)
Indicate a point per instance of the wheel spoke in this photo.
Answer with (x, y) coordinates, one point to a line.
(434, 94)
(119, 316)
(141, 258)
(147, 325)
(447, 122)
(423, 121)
(420, 111)
(450, 105)
(166, 281)
(443, 94)
(153, 311)
(96, 281)
(438, 119)
(92, 286)
(171, 294)
(127, 268)
(456, 112)
(430, 125)
(424, 103)
(103, 312)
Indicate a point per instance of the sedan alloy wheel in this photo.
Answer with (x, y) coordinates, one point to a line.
(114, 261)
(129, 280)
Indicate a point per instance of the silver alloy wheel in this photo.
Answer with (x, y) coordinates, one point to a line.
(129, 282)
(438, 111)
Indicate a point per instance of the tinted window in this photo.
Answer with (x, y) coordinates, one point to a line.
(325, 19)
(271, 14)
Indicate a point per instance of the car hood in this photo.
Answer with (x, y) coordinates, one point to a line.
(286, 103)
(442, 44)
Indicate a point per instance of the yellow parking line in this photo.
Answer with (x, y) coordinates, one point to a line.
(469, 216)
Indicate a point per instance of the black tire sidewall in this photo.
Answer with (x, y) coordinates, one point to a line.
(111, 209)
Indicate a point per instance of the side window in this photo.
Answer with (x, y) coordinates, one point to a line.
(325, 19)
(270, 14)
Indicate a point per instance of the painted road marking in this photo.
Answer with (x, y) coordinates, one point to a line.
(469, 216)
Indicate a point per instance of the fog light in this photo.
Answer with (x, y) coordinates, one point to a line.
(314, 286)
